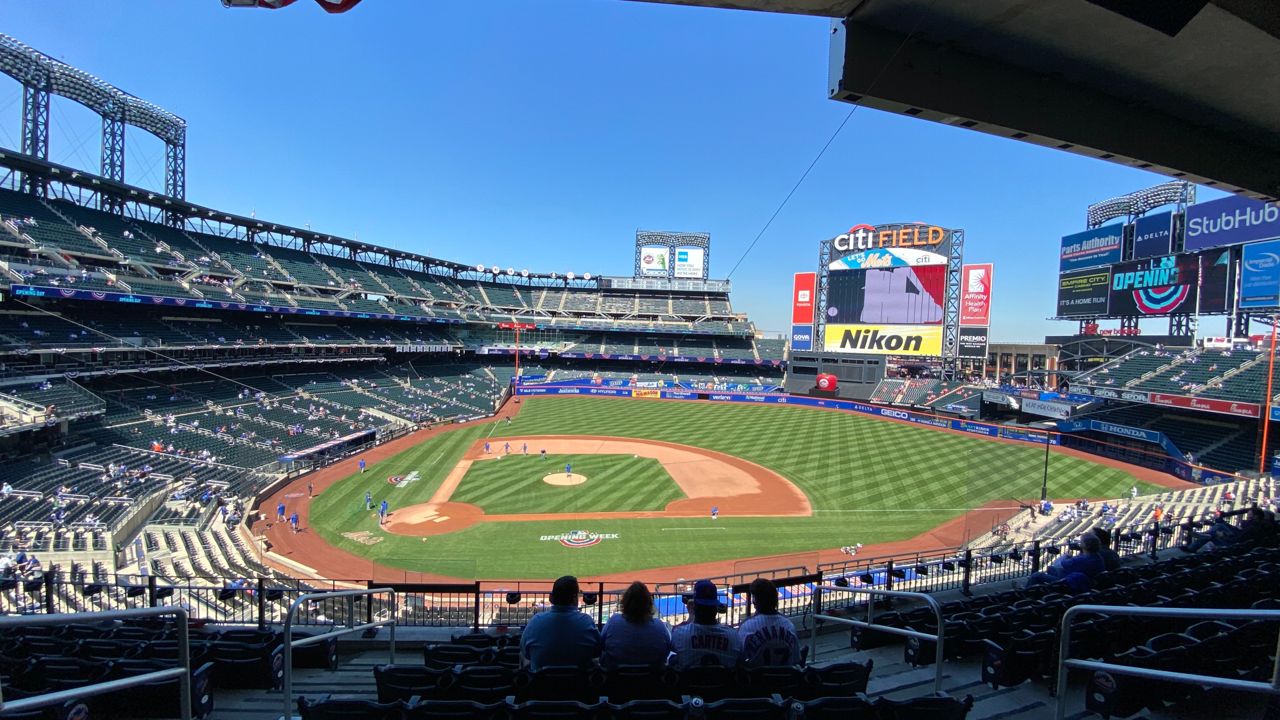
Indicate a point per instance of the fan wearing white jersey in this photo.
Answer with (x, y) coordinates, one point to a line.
(767, 637)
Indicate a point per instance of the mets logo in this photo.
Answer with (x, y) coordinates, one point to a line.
(579, 538)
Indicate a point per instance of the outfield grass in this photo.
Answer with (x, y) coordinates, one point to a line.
(615, 483)
(868, 480)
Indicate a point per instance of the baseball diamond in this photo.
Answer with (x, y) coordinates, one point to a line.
(786, 480)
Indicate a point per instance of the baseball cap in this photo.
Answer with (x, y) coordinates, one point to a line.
(704, 593)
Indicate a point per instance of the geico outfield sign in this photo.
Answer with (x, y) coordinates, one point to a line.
(916, 340)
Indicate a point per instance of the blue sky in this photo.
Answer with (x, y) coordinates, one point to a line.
(542, 135)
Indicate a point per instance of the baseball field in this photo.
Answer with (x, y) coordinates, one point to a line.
(645, 475)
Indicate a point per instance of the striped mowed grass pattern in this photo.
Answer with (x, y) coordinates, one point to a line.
(869, 480)
(615, 483)
(840, 460)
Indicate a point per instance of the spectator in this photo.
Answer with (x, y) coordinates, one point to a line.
(705, 641)
(634, 635)
(768, 638)
(1255, 526)
(1110, 558)
(1075, 570)
(561, 635)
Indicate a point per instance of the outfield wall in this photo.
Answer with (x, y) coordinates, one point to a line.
(1173, 465)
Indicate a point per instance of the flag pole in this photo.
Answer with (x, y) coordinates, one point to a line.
(1266, 406)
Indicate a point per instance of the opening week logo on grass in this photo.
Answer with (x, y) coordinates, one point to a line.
(403, 480)
(579, 538)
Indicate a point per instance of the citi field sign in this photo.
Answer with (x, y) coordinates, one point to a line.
(909, 235)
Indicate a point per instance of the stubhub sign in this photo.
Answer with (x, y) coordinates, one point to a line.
(801, 337)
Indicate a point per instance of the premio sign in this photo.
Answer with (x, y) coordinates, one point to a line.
(579, 538)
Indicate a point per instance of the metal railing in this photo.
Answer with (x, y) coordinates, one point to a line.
(818, 617)
(1065, 663)
(182, 673)
(370, 623)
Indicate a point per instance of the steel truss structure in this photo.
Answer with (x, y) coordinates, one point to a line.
(1135, 204)
(951, 306)
(42, 76)
(1178, 193)
(88, 189)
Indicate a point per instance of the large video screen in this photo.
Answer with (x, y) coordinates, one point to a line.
(1217, 287)
(1156, 286)
(885, 296)
(1084, 292)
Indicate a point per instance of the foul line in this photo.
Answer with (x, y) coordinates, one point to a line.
(918, 510)
(692, 528)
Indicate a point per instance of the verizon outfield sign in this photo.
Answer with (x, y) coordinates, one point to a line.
(1224, 407)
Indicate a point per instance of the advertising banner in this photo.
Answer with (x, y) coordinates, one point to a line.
(1092, 248)
(996, 397)
(1225, 407)
(690, 263)
(802, 291)
(975, 294)
(901, 235)
(912, 340)
(39, 291)
(971, 342)
(1059, 411)
(1155, 286)
(1153, 235)
(1084, 292)
(655, 261)
(1260, 275)
(802, 337)
(1112, 393)
(646, 393)
(1230, 221)
(887, 257)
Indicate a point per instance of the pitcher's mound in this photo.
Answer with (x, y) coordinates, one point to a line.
(563, 479)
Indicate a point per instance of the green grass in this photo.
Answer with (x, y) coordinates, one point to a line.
(615, 483)
(868, 480)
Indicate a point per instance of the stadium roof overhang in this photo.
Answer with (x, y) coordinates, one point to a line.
(1181, 87)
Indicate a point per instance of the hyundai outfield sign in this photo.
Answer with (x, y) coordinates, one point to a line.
(1230, 221)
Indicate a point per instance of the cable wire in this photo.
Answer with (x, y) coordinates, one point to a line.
(874, 81)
